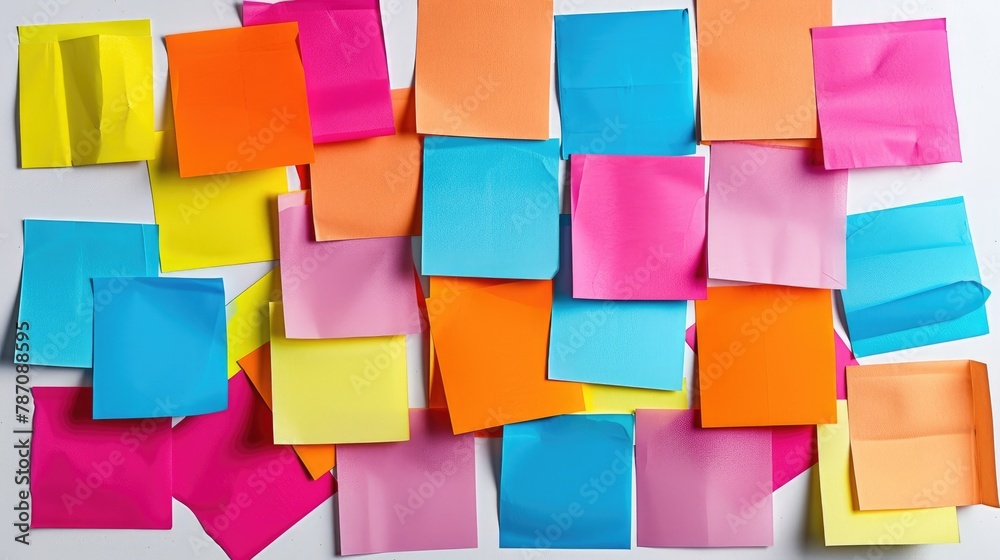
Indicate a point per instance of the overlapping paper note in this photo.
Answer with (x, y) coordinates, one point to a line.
(247, 326)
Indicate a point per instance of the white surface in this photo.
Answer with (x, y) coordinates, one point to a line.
(121, 193)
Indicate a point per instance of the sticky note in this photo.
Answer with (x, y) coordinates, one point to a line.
(491, 208)
(484, 76)
(922, 435)
(491, 342)
(913, 278)
(409, 495)
(638, 227)
(350, 390)
(625, 400)
(844, 525)
(625, 84)
(701, 488)
(247, 327)
(88, 474)
(766, 356)
(220, 461)
(343, 289)
(884, 94)
(755, 68)
(239, 99)
(159, 347)
(775, 218)
(57, 299)
(636, 344)
(566, 482)
(371, 187)
(85, 93)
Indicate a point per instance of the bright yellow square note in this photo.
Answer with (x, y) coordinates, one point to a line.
(86, 93)
(624, 400)
(344, 390)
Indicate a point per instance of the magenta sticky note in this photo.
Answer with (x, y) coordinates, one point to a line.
(884, 94)
(343, 289)
(700, 487)
(638, 227)
(244, 490)
(776, 218)
(97, 474)
(343, 54)
(410, 495)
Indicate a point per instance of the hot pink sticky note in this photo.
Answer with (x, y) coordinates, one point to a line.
(884, 94)
(409, 495)
(244, 490)
(343, 54)
(97, 474)
(700, 487)
(343, 289)
(775, 218)
(638, 227)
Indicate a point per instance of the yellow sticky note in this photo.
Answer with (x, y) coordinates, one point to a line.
(844, 525)
(86, 93)
(344, 390)
(218, 220)
(247, 328)
(624, 400)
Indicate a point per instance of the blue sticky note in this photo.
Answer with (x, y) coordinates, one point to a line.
(912, 278)
(159, 347)
(626, 343)
(491, 208)
(566, 482)
(57, 303)
(625, 83)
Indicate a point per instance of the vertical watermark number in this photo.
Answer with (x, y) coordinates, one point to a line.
(22, 432)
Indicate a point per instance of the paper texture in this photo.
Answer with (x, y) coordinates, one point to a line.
(247, 327)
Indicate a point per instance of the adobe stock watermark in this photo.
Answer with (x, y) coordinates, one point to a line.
(479, 94)
(417, 497)
(46, 12)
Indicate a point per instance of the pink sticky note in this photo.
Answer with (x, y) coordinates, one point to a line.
(343, 54)
(343, 289)
(884, 94)
(775, 218)
(638, 227)
(409, 495)
(244, 490)
(700, 487)
(97, 474)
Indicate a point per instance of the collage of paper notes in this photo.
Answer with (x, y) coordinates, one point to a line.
(538, 279)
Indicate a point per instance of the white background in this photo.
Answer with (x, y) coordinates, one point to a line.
(121, 193)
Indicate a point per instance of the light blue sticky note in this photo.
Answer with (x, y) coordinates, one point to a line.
(627, 343)
(159, 347)
(912, 278)
(625, 83)
(491, 208)
(566, 482)
(60, 258)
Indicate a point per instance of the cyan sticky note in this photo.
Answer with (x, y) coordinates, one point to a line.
(912, 278)
(627, 343)
(159, 347)
(625, 83)
(57, 303)
(491, 208)
(566, 482)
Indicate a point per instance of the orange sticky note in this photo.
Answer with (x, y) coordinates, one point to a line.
(766, 356)
(755, 68)
(239, 99)
(483, 68)
(371, 187)
(922, 435)
(491, 339)
(317, 459)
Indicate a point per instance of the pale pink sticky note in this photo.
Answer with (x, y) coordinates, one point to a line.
(343, 54)
(410, 495)
(343, 289)
(700, 487)
(244, 490)
(884, 94)
(638, 227)
(775, 218)
(96, 474)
